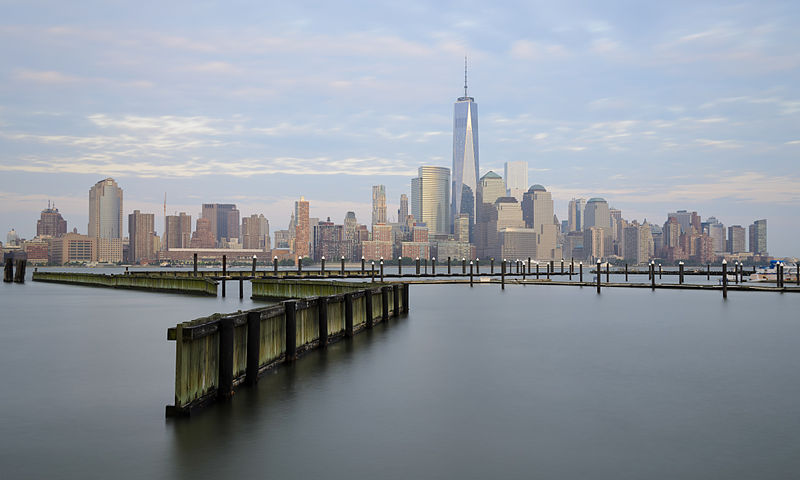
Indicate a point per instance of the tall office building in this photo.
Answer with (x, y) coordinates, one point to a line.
(402, 212)
(716, 230)
(105, 210)
(490, 188)
(597, 214)
(178, 232)
(224, 218)
(141, 232)
(758, 237)
(465, 155)
(378, 204)
(516, 177)
(689, 221)
(302, 229)
(429, 196)
(51, 222)
(575, 214)
(255, 232)
(736, 239)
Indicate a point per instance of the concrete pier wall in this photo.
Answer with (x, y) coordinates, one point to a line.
(186, 285)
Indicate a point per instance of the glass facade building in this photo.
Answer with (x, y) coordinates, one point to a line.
(465, 157)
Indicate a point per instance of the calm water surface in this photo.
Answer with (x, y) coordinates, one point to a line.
(532, 382)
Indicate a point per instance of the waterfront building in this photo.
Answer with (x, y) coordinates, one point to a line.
(716, 230)
(141, 231)
(430, 192)
(516, 178)
(223, 218)
(302, 231)
(518, 243)
(203, 236)
(490, 188)
(178, 231)
(329, 241)
(736, 239)
(255, 232)
(597, 214)
(508, 214)
(593, 239)
(758, 237)
(466, 163)
(378, 204)
(637, 243)
(105, 220)
(72, 247)
(51, 222)
(36, 251)
(575, 214)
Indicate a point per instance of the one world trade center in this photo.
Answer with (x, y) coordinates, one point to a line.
(465, 156)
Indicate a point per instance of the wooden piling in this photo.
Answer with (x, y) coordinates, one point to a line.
(477, 266)
(224, 265)
(254, 267)
(491, 266)
(529, 265)
(433, 266)
(405, 298)
(241, 288)
(399, 266)
(417, 266)
(708, 272)
(372, 273)
(537, 270)
(607, 272)
(290, 313)
(599, 274)
(724, 279)
(225, 365)
(562, 266)
(626, 272)
(797, 273)
(348, 314)
(275, 265)
(195, 264)
(19, 275)
(253, 347)
(342, 272)
(322, 321)
(580, 268)
(659, 271)
(680, 272)
(549, 268)
(396, 300)
(299, 265)
(652, 276)
(449, 269)
(322, 266)
(368, 304)
(381, 269)
(470, 273)
(385, 302)
(503, 275)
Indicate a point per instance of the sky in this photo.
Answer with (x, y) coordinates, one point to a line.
(655, 106)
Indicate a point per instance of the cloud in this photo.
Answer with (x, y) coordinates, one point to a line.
(531, 50)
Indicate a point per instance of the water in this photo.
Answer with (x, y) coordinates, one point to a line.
(530, 382)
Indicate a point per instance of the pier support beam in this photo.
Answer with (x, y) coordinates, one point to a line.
(395, 300)
(253, 347)
(491, 266)
(626, 272)
(290, 309)
(19, 275)
(417, 266)
(225, 382)
(254, 266)
(385, 303)
(652, 275)
(241, 288)
(463, 266)
(503, 275)
(599, 274)
(680, 272)
(470, 273)
(405, 298)
(724, 279)
(342, 269)
(275, 265)
(362, 265)
(195, 264)
(381, 269)
(449, 269)
(433, 266)
(348, 314)
(368, 307)
(322, 266)
(322, 321)
(399, 266)
(580, 269)
(224, 274)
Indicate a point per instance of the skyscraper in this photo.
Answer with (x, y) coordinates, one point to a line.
(51, 222)
(378, 204)
(105, 210)
(255, 232)
(736, 239)
(465, 155)
(178, 232)
(516, 177)
(430, 193)
(302, 229)
(576, 207)
(402, 212)
(224, 218)
(141, 232)
(758, 237)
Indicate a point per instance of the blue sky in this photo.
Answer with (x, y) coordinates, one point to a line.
(654, 106)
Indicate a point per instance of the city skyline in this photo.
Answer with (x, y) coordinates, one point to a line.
(693, 112)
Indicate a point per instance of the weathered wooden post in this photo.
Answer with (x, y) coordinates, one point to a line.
(797, 273)
(405, 298)
(385, 302)
(433, 266)
(537, 270)
(599, 274)
(562, 266)
(552, 268)
(241, 287)
(275, 265)
(549, 269)
(607, 272)
(224, 274)
(253, 347)
(525, 269)
(396, 300)
(19, 276)
(463, 266)
(425, 266)
(477, 266)
(470, 273)
(381, 269)
(368, 307)
(580, 269)
(348, 314)
(680, 272)
(362, 265)
(659, 271)
(322, 321)
(529, 265)
(342, 269)
(449, 266)
(225, 365)
(571, 268)
(299, 265)
(417, 266)
(736, 272)
(322, 265)
(290, 309)
(491, 266)
(400, 266)
(503, 275)
(724, 278)
(778, 271)
(254, 266)
(652, 275)
(626, 272)
(708, 272)
(195, 264)
(372, 274)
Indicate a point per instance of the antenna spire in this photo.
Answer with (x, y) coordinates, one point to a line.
(465, 75)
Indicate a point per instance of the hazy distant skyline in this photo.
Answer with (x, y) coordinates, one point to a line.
(655, 107)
